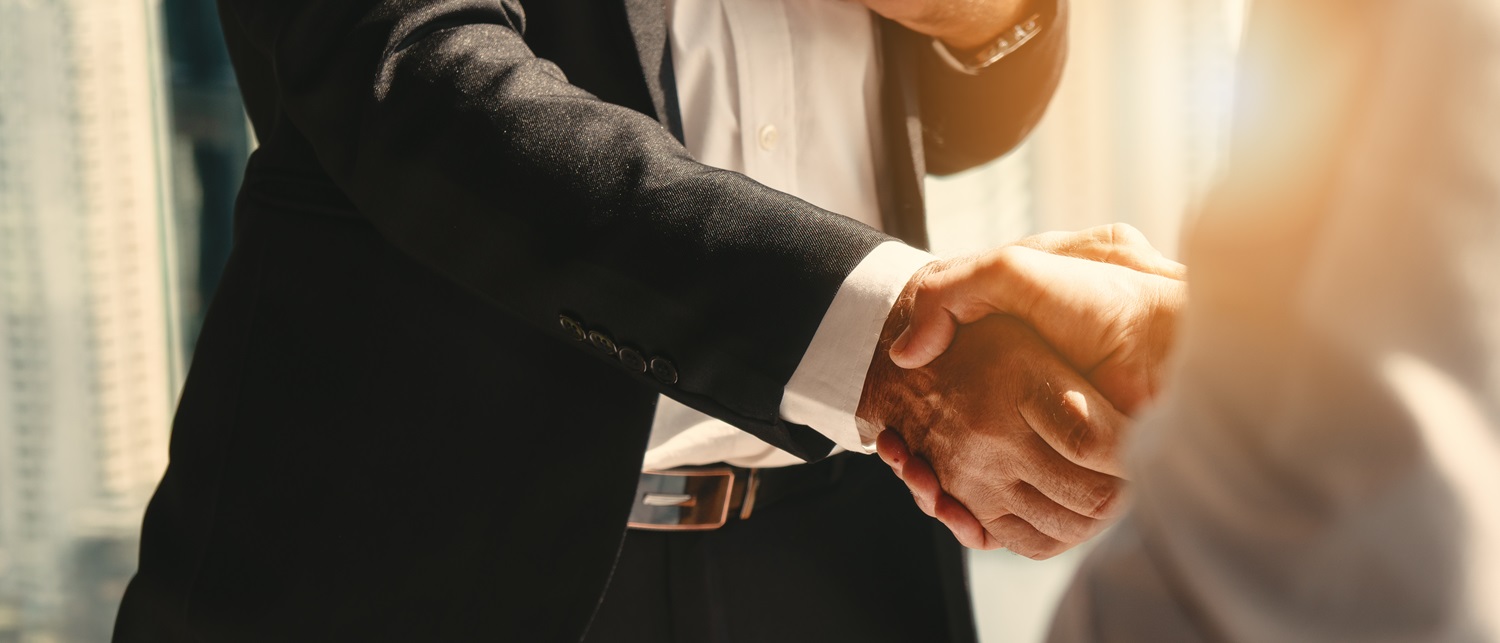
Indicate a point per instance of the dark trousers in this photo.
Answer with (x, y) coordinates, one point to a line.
(853, 561)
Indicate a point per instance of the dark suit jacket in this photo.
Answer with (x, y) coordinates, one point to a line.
(386, 433)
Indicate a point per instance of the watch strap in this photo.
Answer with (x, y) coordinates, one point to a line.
(1009, 41)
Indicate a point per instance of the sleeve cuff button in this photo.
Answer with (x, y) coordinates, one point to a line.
(602, 342)
(664, 370)
(571, 327)
(632, 360)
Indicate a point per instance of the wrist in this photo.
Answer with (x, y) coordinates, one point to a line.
(968, 35)
(882, 404)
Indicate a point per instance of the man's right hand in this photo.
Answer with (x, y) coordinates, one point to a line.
(1106, 300)
(1017, 437)
(1103, 297)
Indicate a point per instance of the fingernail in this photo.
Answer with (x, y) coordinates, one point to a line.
(899, 346)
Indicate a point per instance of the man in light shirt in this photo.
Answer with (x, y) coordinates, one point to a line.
(1324, 460)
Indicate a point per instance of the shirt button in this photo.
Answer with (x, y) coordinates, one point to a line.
(769, 137)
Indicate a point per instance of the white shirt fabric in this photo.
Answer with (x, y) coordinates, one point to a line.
(787, 93)
(1325, 462)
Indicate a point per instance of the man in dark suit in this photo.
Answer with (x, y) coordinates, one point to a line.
(470, 253)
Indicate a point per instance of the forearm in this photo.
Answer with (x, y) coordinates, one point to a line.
(484, 164)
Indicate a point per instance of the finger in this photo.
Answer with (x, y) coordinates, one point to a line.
(1056, 521)
(1077, 422)
(966, 528)
(930, 329)
(1134, 250)
(1080, 490)
(913, 471)
(1071, 454)
(1128, 389)
(893, 450)
(1019, 536)
(1096, 243)
(1120, 244)
(923, 483)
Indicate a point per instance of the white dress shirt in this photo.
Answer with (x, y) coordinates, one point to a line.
(787, 93)
(1324, 464)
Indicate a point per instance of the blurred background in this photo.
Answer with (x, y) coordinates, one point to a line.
(122, 141)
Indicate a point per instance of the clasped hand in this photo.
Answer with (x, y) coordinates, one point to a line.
(1005, 380)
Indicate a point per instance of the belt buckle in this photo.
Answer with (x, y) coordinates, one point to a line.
(682, 499)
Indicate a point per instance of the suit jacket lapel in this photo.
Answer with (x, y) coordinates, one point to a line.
(648, 25)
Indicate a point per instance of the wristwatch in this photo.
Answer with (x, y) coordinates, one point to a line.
(1009, 41)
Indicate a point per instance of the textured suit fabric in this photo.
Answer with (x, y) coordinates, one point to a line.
(385, 434)
(1324, 462)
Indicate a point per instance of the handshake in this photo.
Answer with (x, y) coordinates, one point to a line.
(1003, 383)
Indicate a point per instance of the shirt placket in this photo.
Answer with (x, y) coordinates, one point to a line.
(767, 102)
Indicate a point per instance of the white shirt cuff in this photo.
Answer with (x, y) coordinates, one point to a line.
(825, 389)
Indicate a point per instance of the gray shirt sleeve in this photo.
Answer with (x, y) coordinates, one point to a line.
(1325, 461)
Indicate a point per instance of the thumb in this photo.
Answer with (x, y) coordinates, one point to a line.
(928, 332)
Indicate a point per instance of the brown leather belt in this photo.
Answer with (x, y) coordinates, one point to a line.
(705, 498)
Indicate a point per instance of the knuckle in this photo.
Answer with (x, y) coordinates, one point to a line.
(1009, 494)
(1122, 240)
(991, 505)
(1065, 526)
(1051, 550)
(1069, 527)
(1123, 233)
(1038, 549)
(1105, 498)
(1027, 552)
(1022, 538)
(1097, 236)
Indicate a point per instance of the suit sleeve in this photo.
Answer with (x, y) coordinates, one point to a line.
(481, 161)
(969, 120)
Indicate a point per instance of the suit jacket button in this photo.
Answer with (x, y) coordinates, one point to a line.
(632, 360)
(664, 370)
(572, 327)
(602, 342)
